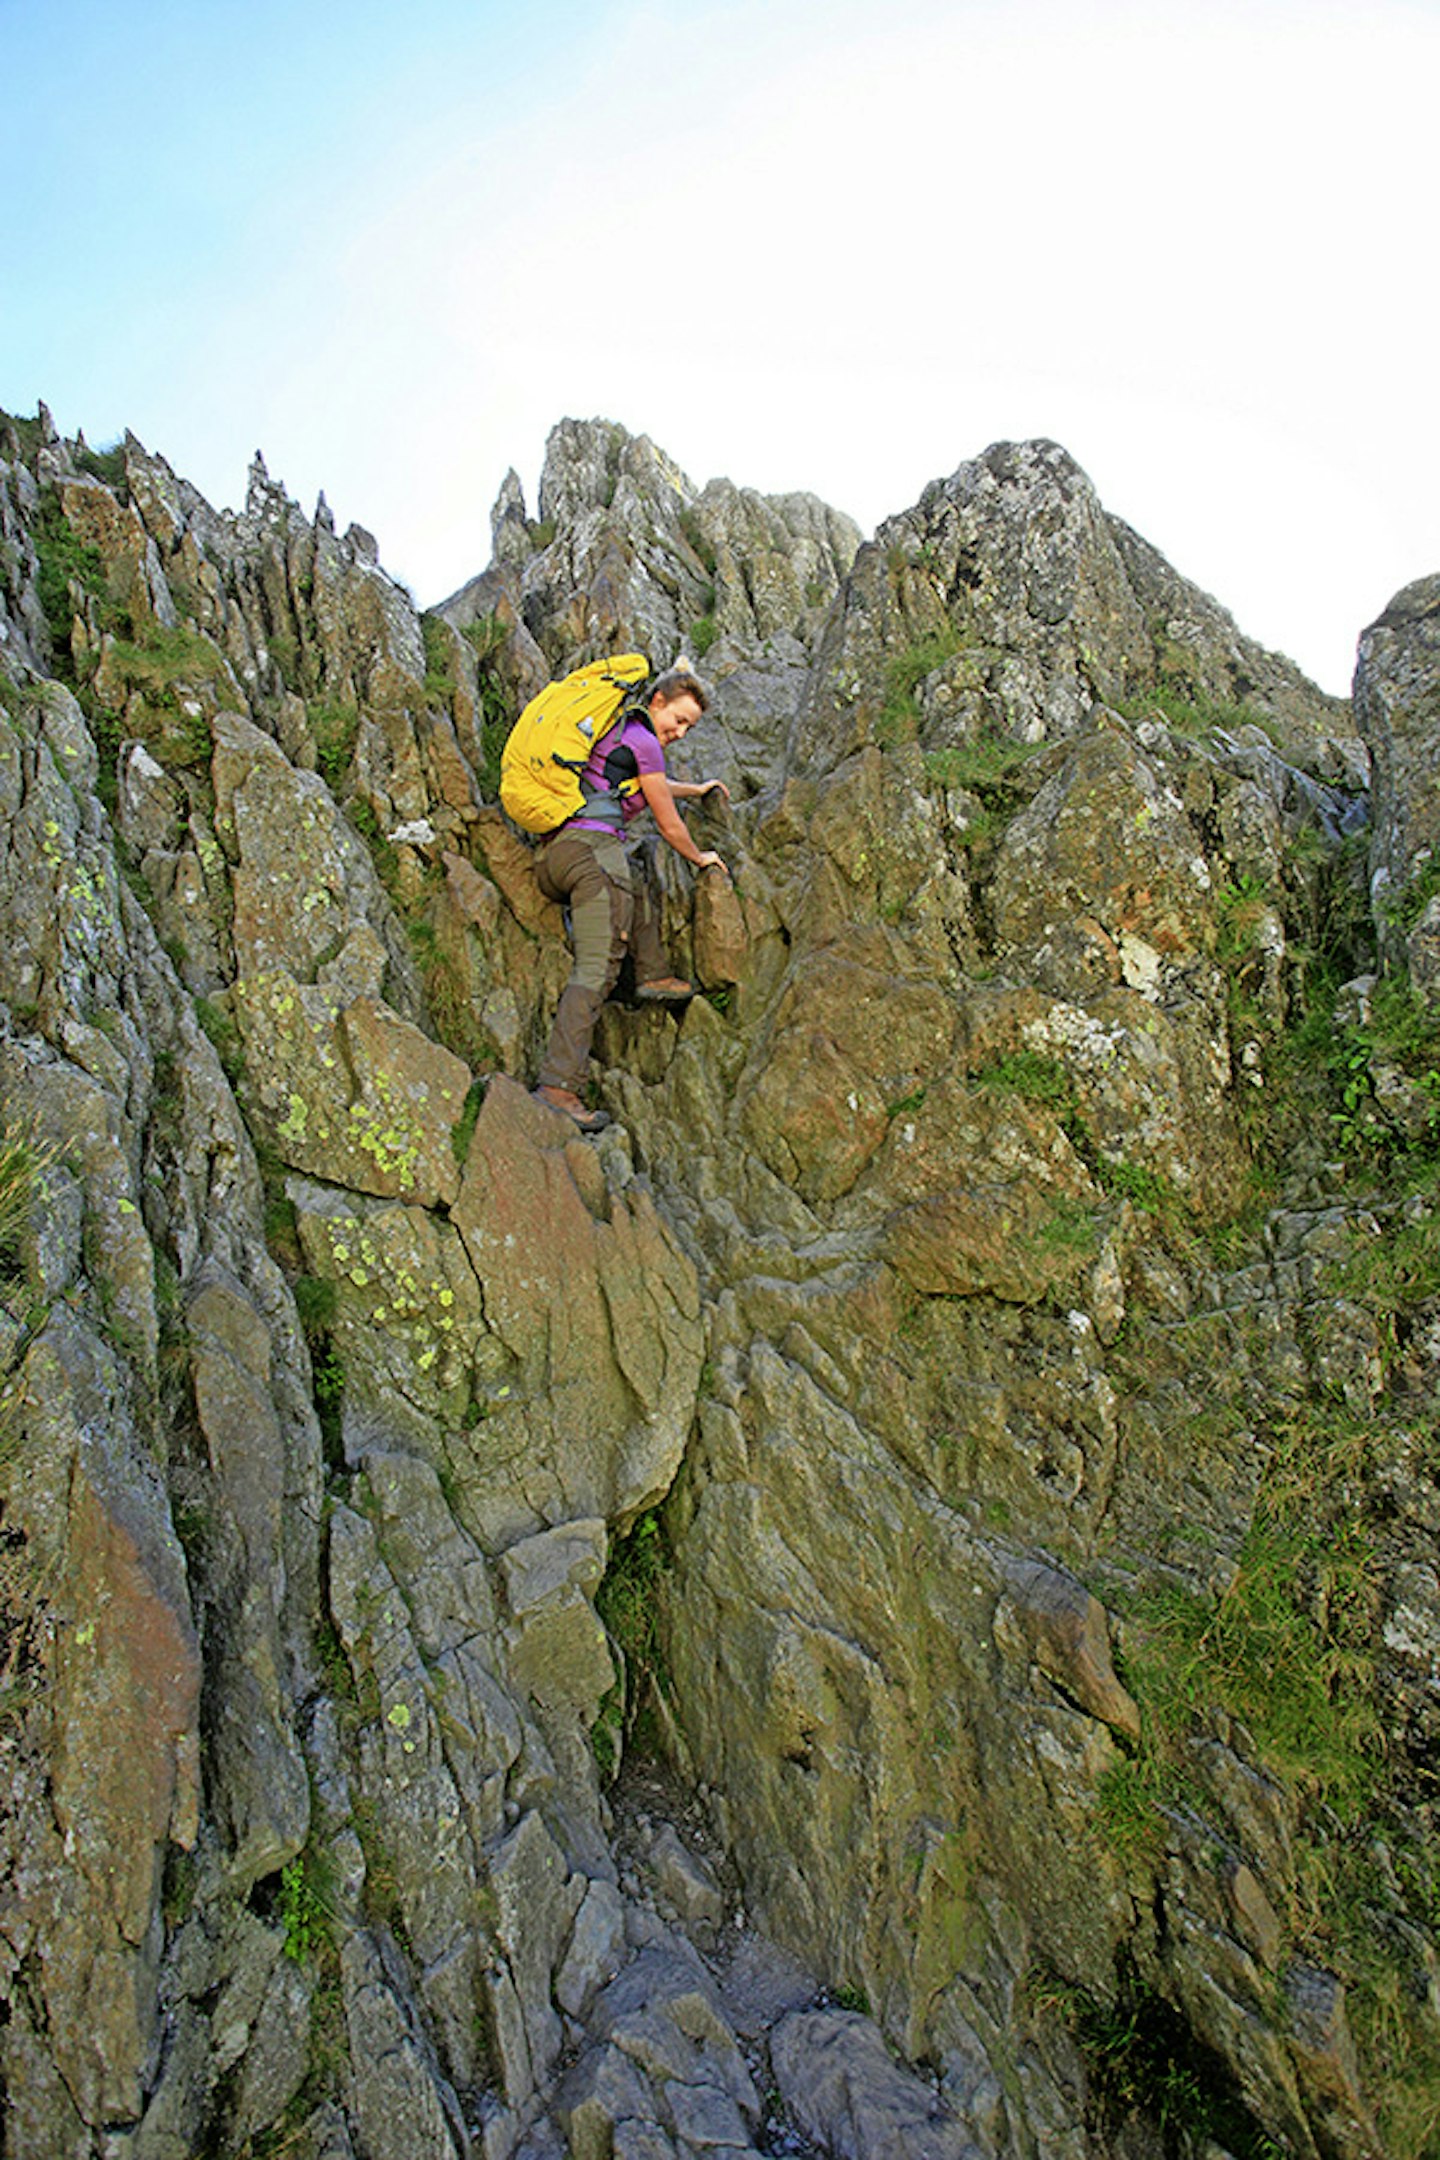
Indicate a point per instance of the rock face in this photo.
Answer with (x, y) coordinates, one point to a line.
(1395, 705)
(964, 1413)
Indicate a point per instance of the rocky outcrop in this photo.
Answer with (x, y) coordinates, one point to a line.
(627, 553)
(1395, 709)
(905, 1413)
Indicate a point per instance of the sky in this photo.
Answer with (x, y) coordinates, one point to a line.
(833, 247)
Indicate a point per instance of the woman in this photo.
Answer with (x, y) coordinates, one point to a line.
(584, 865)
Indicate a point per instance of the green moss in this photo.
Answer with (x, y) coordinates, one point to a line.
(703, 633)
(316, 1302)
(607, 1734)
(218, 1023)
(464, 1129)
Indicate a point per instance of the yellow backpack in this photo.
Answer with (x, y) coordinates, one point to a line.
(548, 746)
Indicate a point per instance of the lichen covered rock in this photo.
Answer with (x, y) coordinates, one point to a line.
(909, 1319)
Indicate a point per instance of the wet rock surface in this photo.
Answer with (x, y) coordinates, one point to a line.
(902, 1422)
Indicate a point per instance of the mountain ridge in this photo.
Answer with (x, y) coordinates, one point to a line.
(918, 1412)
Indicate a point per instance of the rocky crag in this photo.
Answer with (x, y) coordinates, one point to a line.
(887, 1607)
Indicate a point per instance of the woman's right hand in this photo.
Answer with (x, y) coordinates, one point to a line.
(709, 860)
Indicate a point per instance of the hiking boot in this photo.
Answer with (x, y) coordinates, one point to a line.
(665, 990)
(570, 1105)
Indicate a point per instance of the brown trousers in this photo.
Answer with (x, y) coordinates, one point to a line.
(611, 910)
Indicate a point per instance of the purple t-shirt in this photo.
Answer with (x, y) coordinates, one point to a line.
(629, 752)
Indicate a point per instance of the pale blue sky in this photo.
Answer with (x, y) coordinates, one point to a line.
(805, 245)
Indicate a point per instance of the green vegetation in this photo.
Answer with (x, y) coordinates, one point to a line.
(1289, 1648)
(106, 465)
(989, 767)
(21, 1160)
(439, 645)
(443, 973)
(64, 560)
(1070, 1227)
(335, 727)
(1403, 1035)
(1406, 907)
(899, 717)
(1187, 710)
(1398, 1271)
(465, 1124)
(382, 854)
(1045, 1081)
(1144, 1188)
(1289, 1654)
(986, 766)
(158, 664)
(284, 650)
(703, 633)
(629, 1602)
(27, 431)
(1144, 2063)
(159, 659)
(488, 636)
(304, 1906)
(317, 1301)
(1033, 1076)
(695, 535)
(24, 1611)
(218, 1022)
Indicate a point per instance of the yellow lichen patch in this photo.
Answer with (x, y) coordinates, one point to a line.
(292, 1126)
